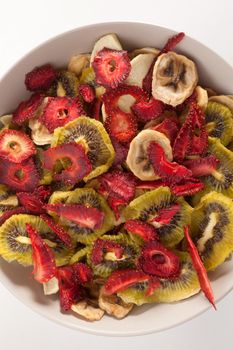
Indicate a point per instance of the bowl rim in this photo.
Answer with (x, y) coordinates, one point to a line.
(33, 306)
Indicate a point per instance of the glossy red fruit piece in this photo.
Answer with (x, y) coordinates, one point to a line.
(28, 109)
(15, 146)
(42, 256)
(102, 246)
(83, 273)
(121, 151)
(87, 92)
(148, 110)
(200, 268)
(7, 214)
(60, 111)
(150, 185)
(59, 230)
(186, 104)
(95, 109)
(83, 216)
(137, 227)
(183, 140)
(169, 128)
(199, 140)
(147, 81)
(111, 67)
(202, 166)
(31, 202)
(122, 279)
(172, 42)
(115, 204)
(20, 177)
(78, 167)
(43, 192)
(153, 284)
(187, 187)
(40, 78)
(165, 215)
(169, 170)
(157, 260)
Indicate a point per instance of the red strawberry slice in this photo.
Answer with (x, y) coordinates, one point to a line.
(172, 42)
(186, 104)
(20, 177)
(147, 81)
(199, 140)
(154, 283)
(202, 166)
(83, 273)
(28, 109)
(7, 214)
(60, 111)
(121, 151)
(40, 78)
(200, 268)
(148, 110)
(15, 146)
(150, 185)
(102, 246)
(111, 67)
(31, 202)
(87, 92)
(114, 204)
(95, 109)
(59, 230)
(120, 280)
(83, 216)
(157, 260)
(169, 128)
(79, 165)
(165, 215)
(142, 229)
(164, 168)
(43, 192)
(42, 256)
(187, 187)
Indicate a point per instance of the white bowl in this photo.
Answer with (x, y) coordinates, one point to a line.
(214, 72)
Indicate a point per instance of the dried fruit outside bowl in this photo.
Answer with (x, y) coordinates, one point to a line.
(148, 318)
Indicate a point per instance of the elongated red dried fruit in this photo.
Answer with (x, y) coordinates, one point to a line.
(187, 187)
(122, 279)
(183, 140)
(164, 168)
(95, 109)
(165, 215)
(200, 268)
(199, 140)
(111, 67)
(102, 246)
(83, 273)
(78, 165)
(114, 204)
(142, 229)
(15, 146)
(56, 228)
(183, 106)
(172, 42)
(40, 78)
(202, 166)
(121, 151)
(31, 202)
(28, 109)
(42, 256)
(43, 192)
(169, 128)
(150, 185)
(83, 216)
(20, 177)
(87, 92)
(153, 284)
(121, 125)
(60, 111)
(148, 110)
(7, 214)
(157, 260)
(147, 81)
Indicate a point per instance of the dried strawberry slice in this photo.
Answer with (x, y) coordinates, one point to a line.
(78, 166)
(121, 125)
(20, 177)
(151, 185)
(15, 146)
(87, 92)
(200, 268)
(172, 42)
(122, 279)
(153, 284)
(142, 229)
(187, 187)
(199, 140)
(170, 170)
(60, 110)
(31, 202)
(83, 273)
(147, 81)
(42, 256)
(111, 67)
(43, 192)
(121, 151)
(183, 106)
(165, 215)
(148, 110)
(59, 230)
(7, 214)
(202, 166)
(102, 246)
(169, 128)
(40, 78)
(95, 109)
(114, 204)
(157, 260)
(28, 109)
(83, 216)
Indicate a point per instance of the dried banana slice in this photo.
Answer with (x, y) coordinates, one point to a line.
(40, 134)
(87, 311)
(202, 97)
(114, 305)
(109, 41)
(5, 121)
(224, 100)
(174, 78)
(137, 159)
(137, 52)
(140, 66)
(79, 62)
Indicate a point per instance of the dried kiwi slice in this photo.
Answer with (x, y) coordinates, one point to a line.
(15, 243)
(88, 76)
(92, 135)
(148, 205)
(80, 255)
(89, 198)
(212, 228)
(170, 290)
(219, 122)
(66, 84)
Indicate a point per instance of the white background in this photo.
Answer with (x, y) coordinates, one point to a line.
(25, 24)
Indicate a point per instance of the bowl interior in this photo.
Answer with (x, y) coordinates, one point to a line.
(214, 72)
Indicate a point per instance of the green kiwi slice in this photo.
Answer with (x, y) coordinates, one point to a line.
(147, 206)
(170, 290)
(66, 84)
(212, 229)
(219, 122)
(7, 199)
(93, 136)
(80, 255)
(15, 243)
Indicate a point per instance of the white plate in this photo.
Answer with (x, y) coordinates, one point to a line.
(214, 72)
